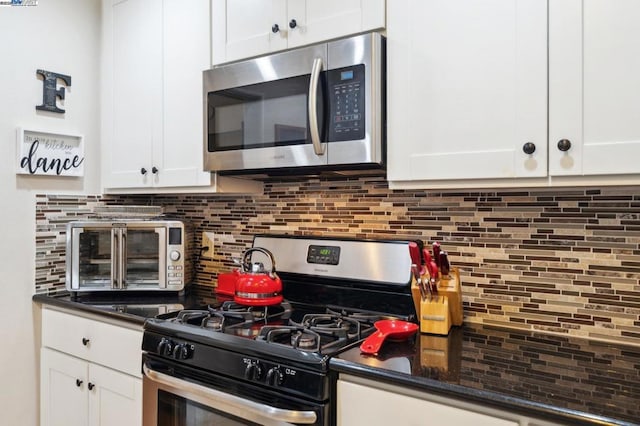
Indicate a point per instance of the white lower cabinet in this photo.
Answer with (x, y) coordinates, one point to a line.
(75, 389)
(365, 402)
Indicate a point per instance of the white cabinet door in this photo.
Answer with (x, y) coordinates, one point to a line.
(364, 405)
(115, 399)
(63, 393)
(328, 19)
(186, 54)
(133, 91)
(467, 89)
(594, 82)
(243, 29)
(154, 56)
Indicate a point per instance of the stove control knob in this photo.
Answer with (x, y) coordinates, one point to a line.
(253, 371)
(165, 347)
(275, 377)
(182, 351)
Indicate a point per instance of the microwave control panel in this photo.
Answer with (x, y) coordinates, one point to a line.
(346, 88)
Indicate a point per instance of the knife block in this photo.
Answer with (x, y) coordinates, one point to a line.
(435, 316)
(450, 287)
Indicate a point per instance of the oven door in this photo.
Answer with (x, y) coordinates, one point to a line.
(171, 397)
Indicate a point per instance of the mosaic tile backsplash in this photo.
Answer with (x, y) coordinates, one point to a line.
(556, 260)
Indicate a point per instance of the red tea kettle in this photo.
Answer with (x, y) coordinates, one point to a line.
(255, 286)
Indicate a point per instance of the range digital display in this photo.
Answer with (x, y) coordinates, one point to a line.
(323, 255)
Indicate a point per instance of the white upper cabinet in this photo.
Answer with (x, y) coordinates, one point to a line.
(466, 89)
(243, 29)
(473, 101)
(594, 84)
(154, 53)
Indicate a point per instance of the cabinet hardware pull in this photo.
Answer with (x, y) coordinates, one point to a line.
(85, 341)
(91, 386)
(154, 170)
(143, 171)
(275, 28)
(293, 24)
(529, 148)
(78, 382)
(564, 145)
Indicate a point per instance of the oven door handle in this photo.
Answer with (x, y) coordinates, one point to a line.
(218, 397)
(312, 106)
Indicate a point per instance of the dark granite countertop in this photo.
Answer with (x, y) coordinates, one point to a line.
(562, 379)
(134, 307)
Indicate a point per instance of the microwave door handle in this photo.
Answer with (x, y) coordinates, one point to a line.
(219, 398)
(313, 106)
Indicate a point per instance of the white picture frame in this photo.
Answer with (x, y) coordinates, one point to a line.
(49, 154)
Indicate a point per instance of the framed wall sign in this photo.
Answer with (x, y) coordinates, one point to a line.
(52, 154)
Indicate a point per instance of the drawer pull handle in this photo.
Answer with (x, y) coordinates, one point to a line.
(91, 386)
(85, 341)
(78, 382)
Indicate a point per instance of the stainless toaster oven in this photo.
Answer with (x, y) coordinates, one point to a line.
(116, 255)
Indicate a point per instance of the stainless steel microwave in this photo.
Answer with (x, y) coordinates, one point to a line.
(116, 255)
(320, 107)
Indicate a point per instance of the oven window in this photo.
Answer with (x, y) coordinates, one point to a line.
(177, 411)
(94, 258)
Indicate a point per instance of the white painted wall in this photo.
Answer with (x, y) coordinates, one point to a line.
(60, 36)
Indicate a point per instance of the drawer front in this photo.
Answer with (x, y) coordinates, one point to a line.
(102, 343)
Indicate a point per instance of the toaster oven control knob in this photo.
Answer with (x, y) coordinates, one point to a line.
(174, 255)
(275, 377)
(182, 351)
(253, 371)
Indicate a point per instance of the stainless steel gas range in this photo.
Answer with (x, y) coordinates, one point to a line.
(229, 364)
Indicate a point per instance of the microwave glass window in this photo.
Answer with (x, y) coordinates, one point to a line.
(142, 257)
(260, 115)
(94, 263)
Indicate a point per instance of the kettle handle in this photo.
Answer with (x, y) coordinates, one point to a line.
(246, 263)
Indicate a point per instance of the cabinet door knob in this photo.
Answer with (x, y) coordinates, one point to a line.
(293, 24)
(85, 341)
(275, 28)
(154, 170)
(564, 145)
(529, 148)
(78, 382)
(91, 386)
(143, 171)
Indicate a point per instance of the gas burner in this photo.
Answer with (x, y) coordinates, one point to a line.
(305, 339)
(187, 316)
(368, 317)
(294, 336)
(331, 324)
(246, 313)
(213, 321)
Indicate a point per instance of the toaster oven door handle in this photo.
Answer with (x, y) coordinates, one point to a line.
(219, 399)
(115, 253)
(312, 106)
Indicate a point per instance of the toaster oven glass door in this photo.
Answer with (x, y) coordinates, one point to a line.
(95, 258)
(144, 258)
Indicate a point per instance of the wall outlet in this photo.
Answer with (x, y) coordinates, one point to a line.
(207, 241)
